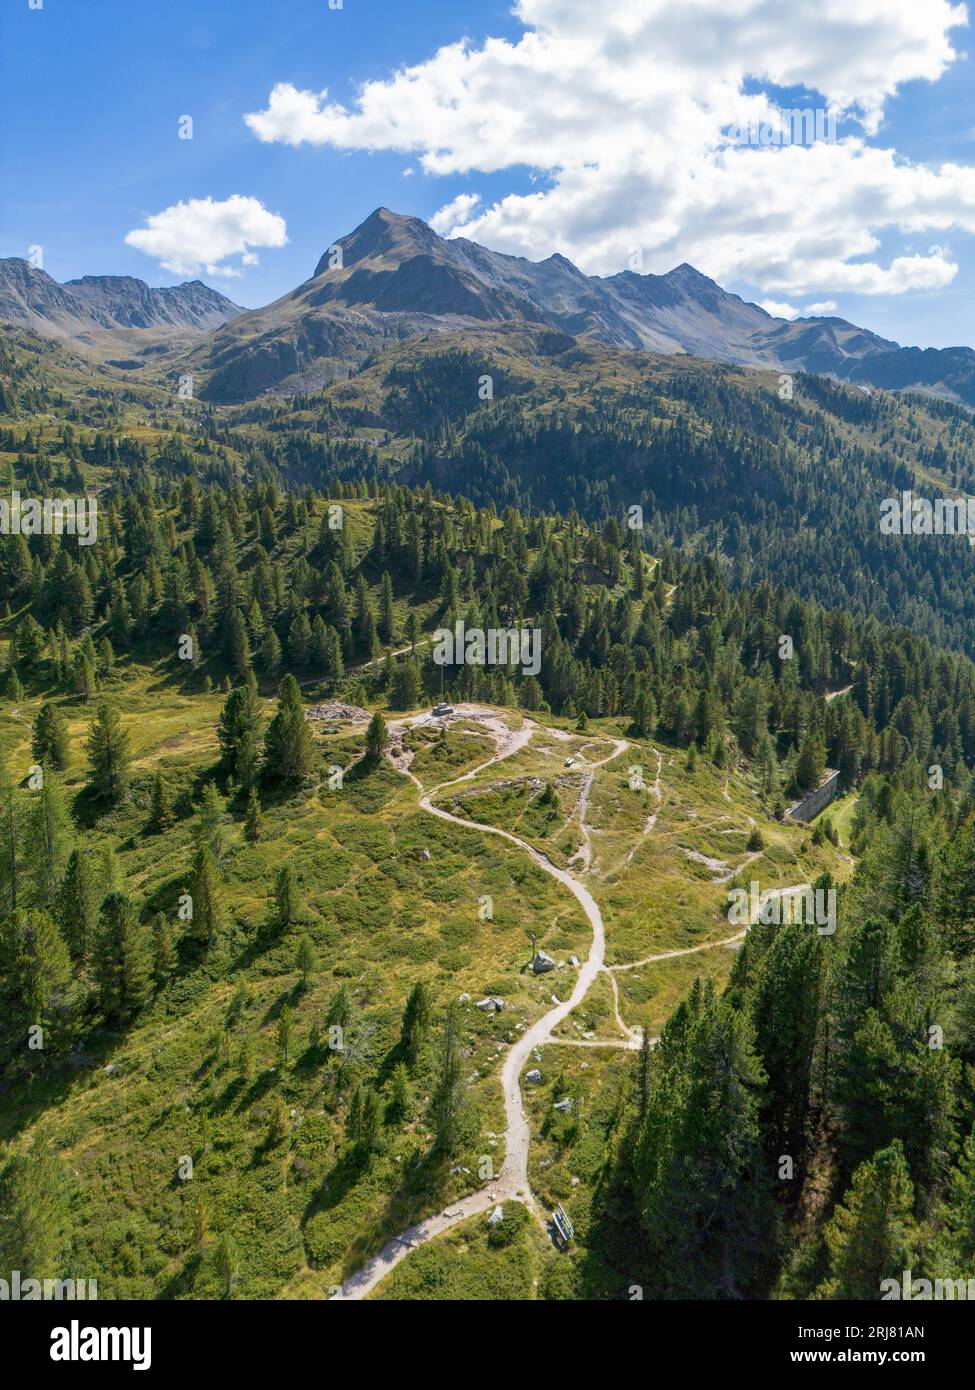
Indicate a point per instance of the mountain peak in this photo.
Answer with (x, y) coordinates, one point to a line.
(383, 234)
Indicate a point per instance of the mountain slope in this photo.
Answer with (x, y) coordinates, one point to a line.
(33, 299)
(395, 278)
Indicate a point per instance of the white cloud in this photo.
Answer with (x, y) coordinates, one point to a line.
(823, 310)
(202, 234)
(778, 310)
(456, 213)
(622, 109)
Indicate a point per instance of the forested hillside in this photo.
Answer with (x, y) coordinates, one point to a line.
(810, 1096)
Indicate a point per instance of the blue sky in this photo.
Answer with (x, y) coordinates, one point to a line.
(91, 95)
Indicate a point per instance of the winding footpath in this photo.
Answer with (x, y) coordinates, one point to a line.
(512, 1182)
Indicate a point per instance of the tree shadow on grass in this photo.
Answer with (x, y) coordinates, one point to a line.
(183, 1282)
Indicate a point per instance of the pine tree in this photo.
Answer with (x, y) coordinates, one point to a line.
(364, 1121)
(406, 688)
(387, 616)
(289, 749)
(123, 963)
(208, 917)
(253, 821)
(957, 1218)
(812, 761)
(50, 743)
(47, 840)
(83, 676)
(785, 1009)
(644, 715)
(108, 756)
(237, 644)
(209, 830)
(238, 730)
(333, 667)
(299, 641)
(306, 960)
(161, 813)
(447, 1100)
(76, 905)
(34, 961)
(871, 1236)
(377, 737)
(285, 899)
(697, 1151)
(270, 653)
(416, 1023)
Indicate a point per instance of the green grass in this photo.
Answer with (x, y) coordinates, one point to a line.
(466, 1264)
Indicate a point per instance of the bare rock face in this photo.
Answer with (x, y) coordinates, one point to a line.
(32, 298)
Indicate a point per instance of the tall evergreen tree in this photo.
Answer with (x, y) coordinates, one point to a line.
(871, 1235)
(50, 743)
(108, 756)
(77, 904)
(47, 840)
(123, 962)
(207, 895)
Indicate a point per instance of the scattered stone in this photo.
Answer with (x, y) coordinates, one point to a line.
(465, 999)
(491, 1005)
(111, 1069)
(542, 962)
(563, 1105)
(534, 1076)
(575, 1182)
(574, 960)
(496, 1217)
(336, 710)
(425, 854)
